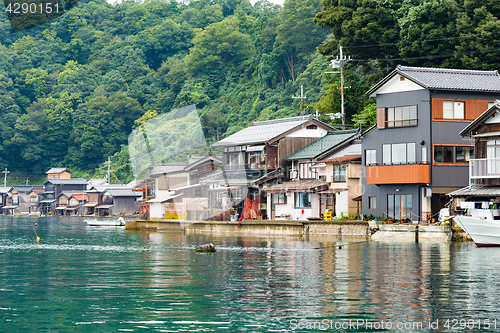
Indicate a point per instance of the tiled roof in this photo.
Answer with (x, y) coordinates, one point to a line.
(320, 146)
(121, 193)
(57, 170)
(343, 158)
(298, 185)
(447, 79)
(264, 131)
(160, 169)
(72, 181)
(477, 191)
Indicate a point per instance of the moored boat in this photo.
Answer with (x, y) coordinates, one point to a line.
(483, 231)
(106, 223)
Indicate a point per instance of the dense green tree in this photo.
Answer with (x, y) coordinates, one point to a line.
(219, 48)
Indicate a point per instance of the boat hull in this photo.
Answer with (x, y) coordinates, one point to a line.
(103, 223)
(484, 232)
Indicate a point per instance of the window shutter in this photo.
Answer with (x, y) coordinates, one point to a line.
(380, 117)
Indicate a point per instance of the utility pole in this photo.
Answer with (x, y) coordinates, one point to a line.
(5, 178)
(339, 63)
(108, 175)
(27, 181)
(302, 97)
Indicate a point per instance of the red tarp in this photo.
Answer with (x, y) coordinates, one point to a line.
(250, 210)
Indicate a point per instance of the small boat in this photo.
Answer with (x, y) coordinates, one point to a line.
(483, 231)
(106, 223)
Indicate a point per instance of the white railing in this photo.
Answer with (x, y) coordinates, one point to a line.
(481, 168)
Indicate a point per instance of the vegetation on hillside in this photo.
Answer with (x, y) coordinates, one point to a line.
(72, 90)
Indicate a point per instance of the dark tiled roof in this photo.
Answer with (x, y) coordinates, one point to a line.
(446, 79)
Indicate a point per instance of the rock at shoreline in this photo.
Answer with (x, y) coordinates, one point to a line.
(205, 248)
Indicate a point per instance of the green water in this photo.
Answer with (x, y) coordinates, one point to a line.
(94, 279)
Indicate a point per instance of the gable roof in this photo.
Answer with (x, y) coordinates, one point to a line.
(445, 79)
(323, 145)
(160, 169)
(266, 131)
(482, 118)
(214, 160)
(72, 181)
(121, 193)
(57, 170)
(5, 189)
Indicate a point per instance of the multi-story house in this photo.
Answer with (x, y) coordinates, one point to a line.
(253, 158)
(312, 189)
(414, 156)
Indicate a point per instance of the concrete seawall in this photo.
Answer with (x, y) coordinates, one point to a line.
(258, 227)
(394, 232)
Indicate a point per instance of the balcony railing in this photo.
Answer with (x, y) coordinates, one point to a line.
(484, 168)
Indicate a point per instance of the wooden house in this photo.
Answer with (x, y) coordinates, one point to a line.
(484, 164)
(311, 187)
(4, 200)
(118, 202)
(253, 158)
(36, 195)
(58, 173)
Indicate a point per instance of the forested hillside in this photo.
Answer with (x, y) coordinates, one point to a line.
(72, 90)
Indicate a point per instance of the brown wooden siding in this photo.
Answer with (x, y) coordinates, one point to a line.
(381, 118)
(472, 108)
(398, 174)
(271, 155)
(288, 146)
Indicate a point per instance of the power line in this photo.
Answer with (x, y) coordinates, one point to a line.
(421, 41)
(430, 56)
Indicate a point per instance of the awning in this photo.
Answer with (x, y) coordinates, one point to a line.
(72, 208)
(104, 206)
(48, 201)
(185, 187)
(299, 185)
(485, 135)
(164, 198)
(333, 191)
(60, 208)
(223, 188)
(92, 204)
(256, 148)
(477, 191)
(9, 207)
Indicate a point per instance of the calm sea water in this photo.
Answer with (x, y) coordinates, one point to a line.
(94, 279)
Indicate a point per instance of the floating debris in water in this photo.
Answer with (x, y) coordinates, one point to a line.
(205, 248)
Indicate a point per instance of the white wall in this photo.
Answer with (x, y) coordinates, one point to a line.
(342, 204)
(157, 210)
(308, 133)
(396, 85)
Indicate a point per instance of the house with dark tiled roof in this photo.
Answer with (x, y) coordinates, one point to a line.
(414, 155)
(314, 186)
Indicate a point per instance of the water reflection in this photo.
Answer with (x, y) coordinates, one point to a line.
(87, 279)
